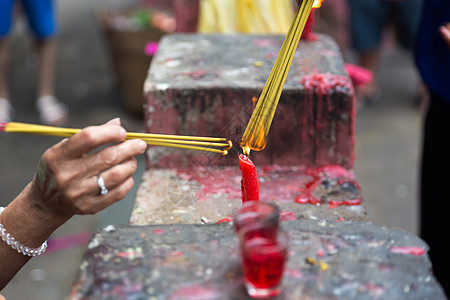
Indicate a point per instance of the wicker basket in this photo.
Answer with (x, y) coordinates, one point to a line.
(130, 61)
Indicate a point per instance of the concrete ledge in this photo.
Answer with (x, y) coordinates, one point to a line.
(327, 260)
(188, 196)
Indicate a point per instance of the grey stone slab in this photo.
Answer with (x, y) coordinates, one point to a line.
(203, 84)
(168, 196)
(327, 260)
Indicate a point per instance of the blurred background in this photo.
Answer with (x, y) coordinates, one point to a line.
(105, 48)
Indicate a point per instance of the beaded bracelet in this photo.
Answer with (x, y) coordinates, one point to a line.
(7, 238)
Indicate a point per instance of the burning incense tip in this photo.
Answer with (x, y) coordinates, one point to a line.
(230, 143)
(317, 3)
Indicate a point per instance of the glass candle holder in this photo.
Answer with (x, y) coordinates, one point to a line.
(263, 260)
(252, 212)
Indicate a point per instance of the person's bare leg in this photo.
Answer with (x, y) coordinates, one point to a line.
(6, 110)
(4, 91)
(369, 60)
(52, 112)
(46, 51)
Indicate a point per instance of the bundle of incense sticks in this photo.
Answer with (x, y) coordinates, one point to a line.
(211, 144)
(255, 135)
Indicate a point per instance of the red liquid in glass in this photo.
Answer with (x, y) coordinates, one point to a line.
(263, 262)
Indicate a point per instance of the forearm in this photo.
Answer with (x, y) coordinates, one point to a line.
(28, 225)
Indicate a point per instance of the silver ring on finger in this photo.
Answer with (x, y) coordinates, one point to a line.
(101, 185)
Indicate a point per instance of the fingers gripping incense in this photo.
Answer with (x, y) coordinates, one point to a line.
(210, 144)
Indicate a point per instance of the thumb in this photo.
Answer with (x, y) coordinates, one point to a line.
(115, 121)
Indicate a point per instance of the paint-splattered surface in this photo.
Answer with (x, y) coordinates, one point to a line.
(327, 260)
(204, 84)
(207, 195)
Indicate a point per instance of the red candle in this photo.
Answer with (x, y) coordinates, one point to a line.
(308, 33)
(249, 182)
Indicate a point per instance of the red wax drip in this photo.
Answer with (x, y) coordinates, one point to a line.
(249, 182)
(308, 33)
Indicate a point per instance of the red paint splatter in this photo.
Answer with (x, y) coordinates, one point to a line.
(225, 220)
(249, 182)
(417, 251)
(334, 204)
(287, 216)
(306, 197)
(200, 74)
(318, 89)
(276, 183)
(158, 231)
(320, 252)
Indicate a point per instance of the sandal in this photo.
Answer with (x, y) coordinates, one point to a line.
(6, 111)
(52, 111)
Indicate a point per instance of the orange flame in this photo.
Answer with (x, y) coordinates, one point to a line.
(246, 150)
(317, 3)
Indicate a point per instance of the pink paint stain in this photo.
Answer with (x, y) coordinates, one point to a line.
(374, 289)
(158, 231)
(195, 292)
(417, 251)
(287, 216)
(294, 273)
(262, 42)
(67, 242)
(131, 254)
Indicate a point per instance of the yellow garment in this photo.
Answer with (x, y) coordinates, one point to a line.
(245, 16)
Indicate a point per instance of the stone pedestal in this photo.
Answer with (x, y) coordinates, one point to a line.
(327, 260)
(204, 84)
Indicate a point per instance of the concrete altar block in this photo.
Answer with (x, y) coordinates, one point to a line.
(327, 260)
(204, 84)
(208, 195)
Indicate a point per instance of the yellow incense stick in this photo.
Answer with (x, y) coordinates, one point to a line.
(211, 144)
(255, 135)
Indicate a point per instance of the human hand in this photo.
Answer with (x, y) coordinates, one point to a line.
(65, 182)
(445, 32)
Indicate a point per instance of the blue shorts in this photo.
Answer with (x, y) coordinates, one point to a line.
(369, 17)
(40, 13)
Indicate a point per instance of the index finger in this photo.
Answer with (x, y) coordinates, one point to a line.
(91, 138)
